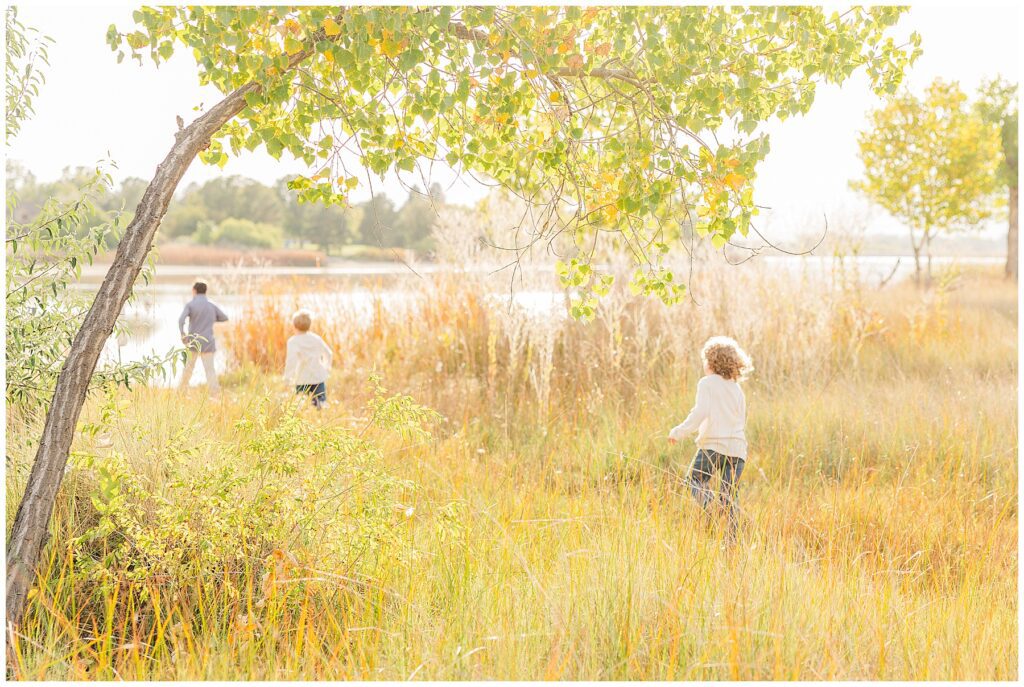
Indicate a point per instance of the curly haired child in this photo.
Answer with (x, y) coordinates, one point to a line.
(718, 417)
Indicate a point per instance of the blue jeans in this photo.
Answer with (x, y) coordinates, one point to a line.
(705, 464)
(318, 391)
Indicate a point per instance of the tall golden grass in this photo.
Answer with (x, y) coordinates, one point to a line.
(550, 535)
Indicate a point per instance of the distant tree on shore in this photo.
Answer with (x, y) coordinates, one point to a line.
(932, 163)
(327, 226)
(998, 104)
(245, 233)
(416, 218)
(377, 220)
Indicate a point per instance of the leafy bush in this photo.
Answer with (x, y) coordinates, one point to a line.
(181, 220)
(44, 258)
(283, 487)
(243, 232)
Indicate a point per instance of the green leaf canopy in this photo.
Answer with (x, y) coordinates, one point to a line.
(607, 119)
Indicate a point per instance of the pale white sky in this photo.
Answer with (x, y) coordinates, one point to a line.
(93, 108)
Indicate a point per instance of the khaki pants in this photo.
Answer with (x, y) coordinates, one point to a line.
(190, 366)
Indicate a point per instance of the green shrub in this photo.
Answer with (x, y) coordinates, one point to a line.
(243, 232)
(282, 488)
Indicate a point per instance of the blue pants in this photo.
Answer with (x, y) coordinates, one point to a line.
(318, 391)
(705, 464)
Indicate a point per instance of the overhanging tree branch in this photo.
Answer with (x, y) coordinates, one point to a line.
(31, 522)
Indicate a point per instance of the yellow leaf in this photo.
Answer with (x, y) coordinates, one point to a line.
(734, 180)
(331, 27)
(732, 163)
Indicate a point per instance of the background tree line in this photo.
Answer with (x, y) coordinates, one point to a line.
(240, 212)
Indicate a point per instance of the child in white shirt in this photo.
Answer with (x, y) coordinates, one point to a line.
(718, 417)
(309, 360)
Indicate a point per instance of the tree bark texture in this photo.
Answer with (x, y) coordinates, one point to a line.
(31, 524)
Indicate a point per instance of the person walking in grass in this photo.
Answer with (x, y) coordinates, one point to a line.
(308, 361)
(201, 314)
(718, 417)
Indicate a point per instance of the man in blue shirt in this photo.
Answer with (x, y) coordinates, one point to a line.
(201, 314)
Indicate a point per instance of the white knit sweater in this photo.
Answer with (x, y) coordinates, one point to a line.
(308, 360)
(718, 417)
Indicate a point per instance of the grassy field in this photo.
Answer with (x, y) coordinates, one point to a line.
(542, 529)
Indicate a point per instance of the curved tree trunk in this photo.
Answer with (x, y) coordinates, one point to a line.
(31, 524)
(1011, 237)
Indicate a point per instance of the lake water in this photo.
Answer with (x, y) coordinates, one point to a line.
(153, 314)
